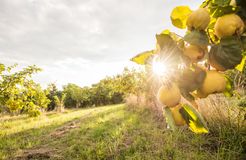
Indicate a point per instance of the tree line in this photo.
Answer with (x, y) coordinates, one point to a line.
(19, 94)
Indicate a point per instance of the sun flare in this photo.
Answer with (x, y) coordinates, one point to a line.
(159, 68)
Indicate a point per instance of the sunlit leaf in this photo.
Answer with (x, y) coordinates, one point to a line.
(179, 16)
(221, 2)
(229, 87)
(240, 67)
(205, 3)
(222, 10)
(164, 41)
(194, 119)
(168, 48)
(142, 57)
(169, 118)
(166, 31)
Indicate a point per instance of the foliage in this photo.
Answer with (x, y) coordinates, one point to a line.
(20, 94)
(215, 40)
(59, 102)
(110, 90)
(238, 78)
(74, 94)
(179, 16)
(52, 93)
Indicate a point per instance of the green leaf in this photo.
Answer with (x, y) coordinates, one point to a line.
(228, 53)
(242, 10)
(243, 41)
(205, 3)
(179, 16)
(229, 87)
(169, 118)
(198, 38)
(194, 119)
(221, 2)
(222, 10)
(142, 57)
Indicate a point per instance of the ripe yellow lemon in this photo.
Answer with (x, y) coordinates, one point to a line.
(195, 53)
(169, 95)
(198, 19)
(179, 120)
(214, 82)
(228, 25)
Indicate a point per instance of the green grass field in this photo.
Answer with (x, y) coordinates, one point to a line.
(109, 132)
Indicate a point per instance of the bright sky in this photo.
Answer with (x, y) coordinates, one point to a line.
(81, 41)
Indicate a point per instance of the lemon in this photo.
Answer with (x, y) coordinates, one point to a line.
(214, 82)
(198, 19)
(169, 95)
(195, 53)
(228, 25)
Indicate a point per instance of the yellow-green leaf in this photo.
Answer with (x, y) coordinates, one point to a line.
(241, 65)
(164, 41)
(229, 89)
(193, 119)
(179, 16)
(173, 35)
(169, 118)
(166, 31)
(142, 57)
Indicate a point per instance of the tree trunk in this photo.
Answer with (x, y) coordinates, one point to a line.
(77, 105)
(60, 108)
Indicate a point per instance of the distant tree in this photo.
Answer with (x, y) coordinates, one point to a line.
(110, 90)
(59, 101)
(74, 95)
(52, 92)
(86, 97)
(132, 82)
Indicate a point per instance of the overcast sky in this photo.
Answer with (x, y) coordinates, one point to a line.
(81, 41)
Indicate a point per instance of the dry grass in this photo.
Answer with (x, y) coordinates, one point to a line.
(218, 108)
(135, 101)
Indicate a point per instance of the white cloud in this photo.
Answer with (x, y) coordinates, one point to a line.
(79, 71)
(81, 41)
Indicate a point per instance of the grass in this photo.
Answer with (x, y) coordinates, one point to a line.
(111, 132)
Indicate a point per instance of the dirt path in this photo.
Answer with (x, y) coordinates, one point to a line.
(45, 151)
